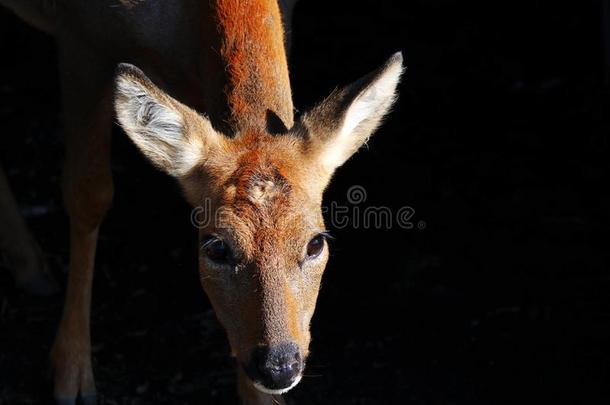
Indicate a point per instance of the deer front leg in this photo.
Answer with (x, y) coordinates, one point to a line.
(87, 188)
(249, 395)
(71, 352)
(87, 194)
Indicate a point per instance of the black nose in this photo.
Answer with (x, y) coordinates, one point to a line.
(275, 367)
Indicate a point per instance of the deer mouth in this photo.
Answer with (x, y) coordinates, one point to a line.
(264, 384)
(266, 390)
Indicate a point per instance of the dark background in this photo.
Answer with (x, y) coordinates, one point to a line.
(499, 142)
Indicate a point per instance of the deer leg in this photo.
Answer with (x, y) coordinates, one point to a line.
(249, 395)
(19, 249)
(87, 189)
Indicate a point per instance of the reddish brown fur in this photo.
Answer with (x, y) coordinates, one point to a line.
(226, 59)
(270, 236)
(251, 50)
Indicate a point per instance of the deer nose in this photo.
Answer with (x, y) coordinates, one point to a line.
(276, 367)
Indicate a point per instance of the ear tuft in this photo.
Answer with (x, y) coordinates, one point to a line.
(344, 121)
(374, 99)
(142, 111)
(154, 121)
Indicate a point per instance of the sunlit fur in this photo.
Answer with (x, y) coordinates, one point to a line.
(266, 191)
(219, 118)
(252, 48)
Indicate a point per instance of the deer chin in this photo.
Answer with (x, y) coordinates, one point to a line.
(266, 390)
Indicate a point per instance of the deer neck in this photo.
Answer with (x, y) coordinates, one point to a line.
(244, 64)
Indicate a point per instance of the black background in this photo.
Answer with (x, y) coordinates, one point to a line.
(499, 142)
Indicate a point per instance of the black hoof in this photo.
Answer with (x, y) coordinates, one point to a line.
(88, 399)
(65, 400)
(82, 399)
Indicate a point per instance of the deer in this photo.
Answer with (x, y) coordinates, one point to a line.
(214, 110)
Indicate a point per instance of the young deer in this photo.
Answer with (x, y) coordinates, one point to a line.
(218, 117)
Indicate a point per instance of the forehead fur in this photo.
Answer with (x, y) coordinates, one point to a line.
(264, 202)
(259, 182)
(266, 166)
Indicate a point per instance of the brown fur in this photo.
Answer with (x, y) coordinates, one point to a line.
(252, 49)
(269, 238)
(220, 120)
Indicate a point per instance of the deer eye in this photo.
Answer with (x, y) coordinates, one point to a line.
(216, 249)
(315, 246)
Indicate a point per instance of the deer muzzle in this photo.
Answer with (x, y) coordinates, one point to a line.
(275, 369)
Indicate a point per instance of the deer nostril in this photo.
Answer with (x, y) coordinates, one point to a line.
(282, 368)
(275, 367)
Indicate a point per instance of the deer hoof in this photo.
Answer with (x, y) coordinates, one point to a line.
(88, 399)
(82, 399)
(73, 375)
(65, 400)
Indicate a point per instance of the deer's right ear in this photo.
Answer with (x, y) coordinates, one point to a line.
(171, 135)
(344, 121)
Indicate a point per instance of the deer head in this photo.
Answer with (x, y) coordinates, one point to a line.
(262, 260)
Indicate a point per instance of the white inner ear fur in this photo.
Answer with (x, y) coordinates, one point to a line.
(363, 116)
(156, 127)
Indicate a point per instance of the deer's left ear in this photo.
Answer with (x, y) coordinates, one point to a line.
(344, 121)
(171, 135)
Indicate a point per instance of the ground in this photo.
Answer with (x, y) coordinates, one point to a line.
(499, 293)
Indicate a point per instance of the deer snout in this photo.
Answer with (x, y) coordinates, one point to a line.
(275, 369)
